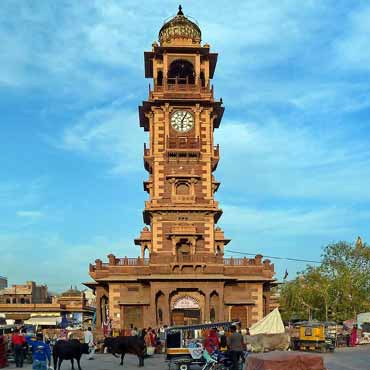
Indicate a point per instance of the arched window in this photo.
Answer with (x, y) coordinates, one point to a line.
(14, 300)
(8, 301)
(182, 189)
(146, 253)
(183, 247)
(212, 314)
(181, 72)
(22, 300)
(159, 78)
(160, 315)
(202, 79)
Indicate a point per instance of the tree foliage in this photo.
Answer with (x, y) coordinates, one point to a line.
(338, 289)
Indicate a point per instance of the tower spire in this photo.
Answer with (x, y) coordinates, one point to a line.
(180, 12)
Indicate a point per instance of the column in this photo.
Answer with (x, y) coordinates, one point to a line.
(221, 305)
(206, 307)
(98, 309)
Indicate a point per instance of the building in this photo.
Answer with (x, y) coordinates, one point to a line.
(25, 293)
(72, 304)
(181, 276)
(3, 282)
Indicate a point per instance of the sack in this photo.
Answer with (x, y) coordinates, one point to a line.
(150, 351)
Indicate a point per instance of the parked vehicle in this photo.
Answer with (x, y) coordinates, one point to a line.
(184, 346)
(316, 336)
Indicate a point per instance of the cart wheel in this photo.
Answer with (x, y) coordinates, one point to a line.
(183, 367)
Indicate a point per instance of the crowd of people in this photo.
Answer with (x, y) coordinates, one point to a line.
(22, 345)
(37, 347)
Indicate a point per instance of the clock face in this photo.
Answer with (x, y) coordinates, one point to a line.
(182, 120)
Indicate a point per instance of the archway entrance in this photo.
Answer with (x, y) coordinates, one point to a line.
(186, 311)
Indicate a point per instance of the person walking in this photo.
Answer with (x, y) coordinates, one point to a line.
(41, 354)
(235, 344)
(89, 339)
(18, 342)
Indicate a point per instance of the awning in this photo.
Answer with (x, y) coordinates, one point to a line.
(225, 324)
(239, 302)
(17, 316)
(44, 321)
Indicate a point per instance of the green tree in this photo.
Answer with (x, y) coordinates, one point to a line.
(337, 289)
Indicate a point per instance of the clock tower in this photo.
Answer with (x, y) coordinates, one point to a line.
(180, 116)
(181, 275)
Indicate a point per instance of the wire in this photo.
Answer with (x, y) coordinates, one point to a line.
(274, 257)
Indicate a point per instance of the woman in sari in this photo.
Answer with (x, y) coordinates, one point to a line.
(353, 338)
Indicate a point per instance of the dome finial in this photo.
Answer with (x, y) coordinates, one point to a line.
(180, 11)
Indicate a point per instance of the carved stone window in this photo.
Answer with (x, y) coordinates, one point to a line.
(182, 189)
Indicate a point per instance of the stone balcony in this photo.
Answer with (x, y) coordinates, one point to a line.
(180, 88)
(190, 264)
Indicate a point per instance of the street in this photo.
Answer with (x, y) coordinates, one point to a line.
(343, 359)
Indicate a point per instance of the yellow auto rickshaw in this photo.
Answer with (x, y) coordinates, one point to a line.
(316, 336)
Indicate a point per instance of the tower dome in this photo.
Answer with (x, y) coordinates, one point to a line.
(179, 30)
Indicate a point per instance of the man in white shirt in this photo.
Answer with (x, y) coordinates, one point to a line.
(89, 339)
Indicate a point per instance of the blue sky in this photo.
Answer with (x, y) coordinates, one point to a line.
(295, 138)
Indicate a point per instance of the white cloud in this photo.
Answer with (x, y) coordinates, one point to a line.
(111, 133)
(272, 158)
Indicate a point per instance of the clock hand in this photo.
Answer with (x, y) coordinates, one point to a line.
(182, 121)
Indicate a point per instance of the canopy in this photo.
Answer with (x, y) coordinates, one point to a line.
(225, 324)
(47, 321)
(270, 324)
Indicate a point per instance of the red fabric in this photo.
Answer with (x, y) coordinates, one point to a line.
(18, 339)
(212, 343)
(353, 339)
(285, 361)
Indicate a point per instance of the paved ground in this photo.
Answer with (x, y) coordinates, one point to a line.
(343, 359)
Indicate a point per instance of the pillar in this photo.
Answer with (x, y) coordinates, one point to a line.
(206, 306)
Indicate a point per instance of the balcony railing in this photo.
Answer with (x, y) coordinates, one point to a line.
(187, 84)
(183, 143)
(181, 258)
(132, 261)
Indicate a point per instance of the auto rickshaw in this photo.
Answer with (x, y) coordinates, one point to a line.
(184, 345)
(316, 336)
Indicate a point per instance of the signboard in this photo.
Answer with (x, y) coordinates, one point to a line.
(186, 303)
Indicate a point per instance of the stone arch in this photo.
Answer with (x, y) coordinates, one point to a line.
(146, 251)
(176, 269)
(181, 71)
(160, 304)
(159, 78)
(180, 315)
(214, 304)
(183, 247)
(104, 308)
(182, 188)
